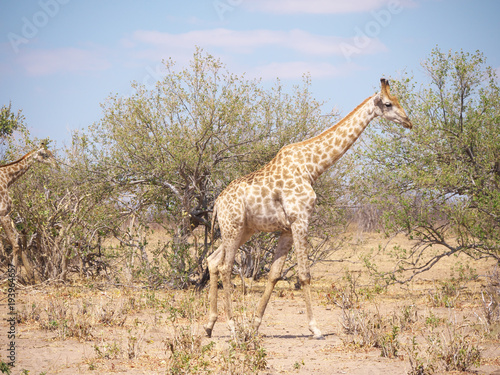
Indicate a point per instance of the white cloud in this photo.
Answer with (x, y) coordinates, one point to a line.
(62, 60)
(214, 38)
(321, 6)
(248, 41)
(300, 51)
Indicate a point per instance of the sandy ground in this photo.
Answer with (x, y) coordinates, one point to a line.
(139, 343)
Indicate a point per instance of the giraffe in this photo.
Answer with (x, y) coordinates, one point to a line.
(9, 173)
(280, 197)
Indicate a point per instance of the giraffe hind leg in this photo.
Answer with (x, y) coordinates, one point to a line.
(285, 243)
(226, 268)
(214, 260)
(222, 261)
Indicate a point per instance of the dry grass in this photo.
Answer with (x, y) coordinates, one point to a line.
(443, 322)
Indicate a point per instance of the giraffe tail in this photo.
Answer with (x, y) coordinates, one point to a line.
(206, 274)
(212, 227)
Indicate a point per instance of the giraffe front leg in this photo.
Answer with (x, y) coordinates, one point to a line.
(12, 236)
(313, 327)
(7, 227)
(300, 242)
(3, 253)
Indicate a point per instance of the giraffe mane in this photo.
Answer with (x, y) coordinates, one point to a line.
(17, 161)
(337, 125)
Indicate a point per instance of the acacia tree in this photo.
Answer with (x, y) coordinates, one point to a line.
(439, 183)
(174, 148)
(163, 154)
(62, 214)
(9, 122)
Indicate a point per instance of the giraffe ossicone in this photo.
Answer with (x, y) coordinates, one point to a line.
(280, 197)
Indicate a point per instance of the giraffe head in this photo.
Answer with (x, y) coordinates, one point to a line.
(389, 107)
(43, 155)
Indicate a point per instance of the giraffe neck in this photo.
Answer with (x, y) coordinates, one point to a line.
(326, 148)
(16, 169)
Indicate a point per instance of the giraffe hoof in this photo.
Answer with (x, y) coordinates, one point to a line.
(208, 331)
(317, 335)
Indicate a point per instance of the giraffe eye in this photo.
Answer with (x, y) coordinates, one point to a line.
(388, 105)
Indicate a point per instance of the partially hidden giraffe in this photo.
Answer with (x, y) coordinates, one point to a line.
(280, 197)
(9, 173)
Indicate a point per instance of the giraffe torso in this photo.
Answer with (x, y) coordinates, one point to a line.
(270, 199)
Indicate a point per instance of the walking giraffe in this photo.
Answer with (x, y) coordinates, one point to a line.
(9, 173)
(280, 197)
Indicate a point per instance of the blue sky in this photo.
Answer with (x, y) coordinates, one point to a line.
(60, 59)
